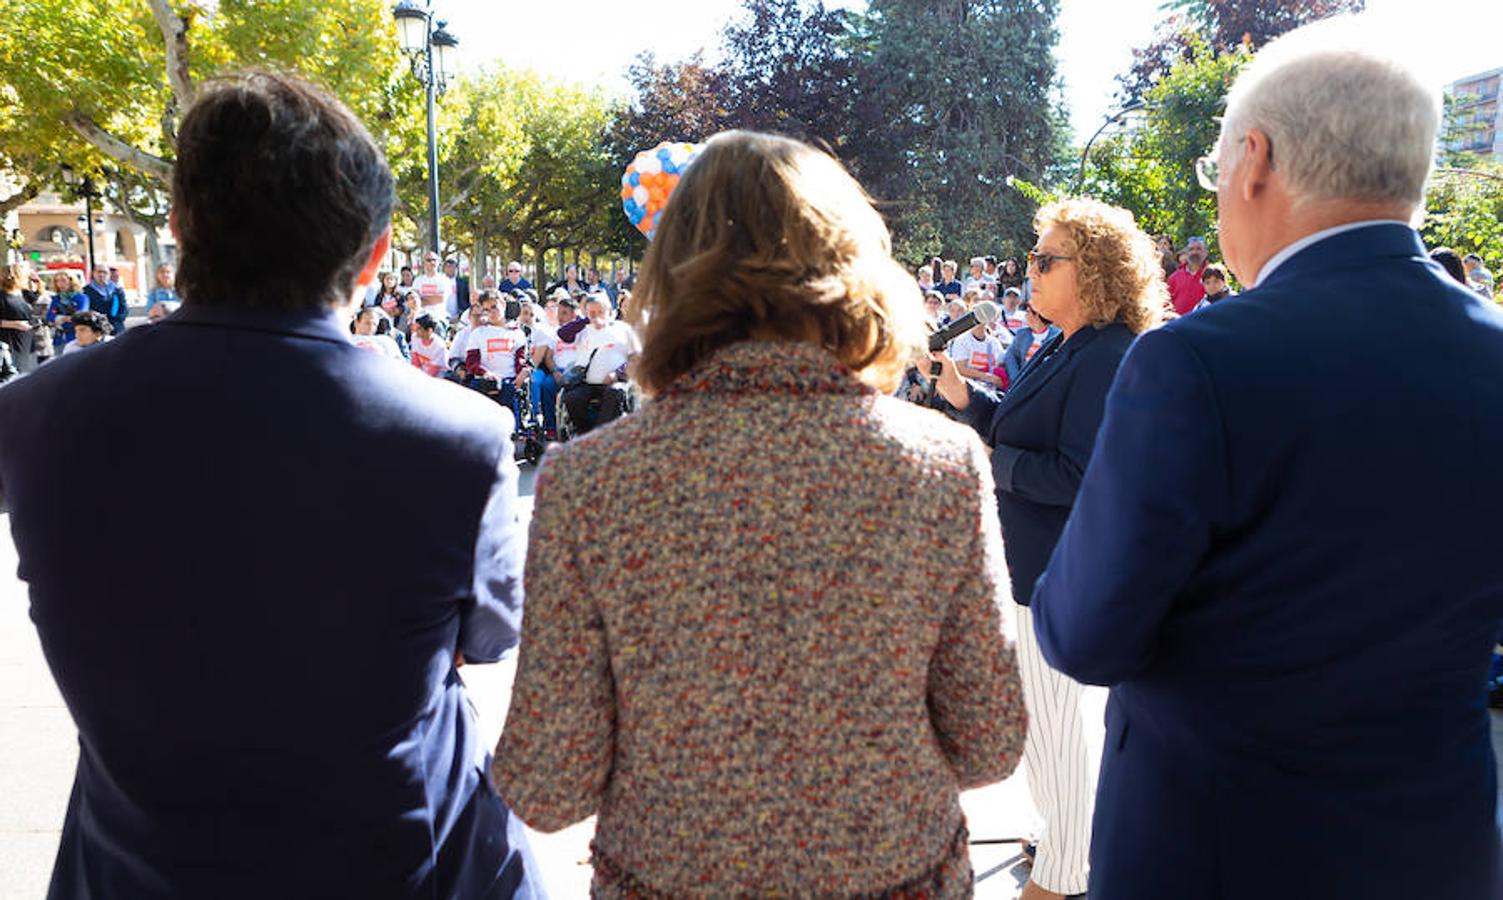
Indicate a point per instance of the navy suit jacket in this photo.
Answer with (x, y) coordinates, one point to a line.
(265, 694)
(1041, 433)
(1284, 560)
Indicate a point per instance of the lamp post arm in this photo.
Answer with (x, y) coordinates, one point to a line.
(1085, 153)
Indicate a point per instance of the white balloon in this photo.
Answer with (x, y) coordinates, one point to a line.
(650, 165)
(641, 195)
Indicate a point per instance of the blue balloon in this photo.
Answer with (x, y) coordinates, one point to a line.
(670, 167)
(635, 179)
(665, 154)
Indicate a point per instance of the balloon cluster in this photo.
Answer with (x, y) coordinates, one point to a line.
(651, 177)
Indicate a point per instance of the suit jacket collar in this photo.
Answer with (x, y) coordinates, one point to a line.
(321, 324)
(1356, 247)
(1046, 364)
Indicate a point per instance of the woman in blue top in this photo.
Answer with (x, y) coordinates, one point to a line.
(163, 291)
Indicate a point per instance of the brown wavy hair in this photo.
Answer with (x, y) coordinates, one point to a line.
(767, 238)
(1118, 274)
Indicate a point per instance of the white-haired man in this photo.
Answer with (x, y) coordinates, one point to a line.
(1297, 644)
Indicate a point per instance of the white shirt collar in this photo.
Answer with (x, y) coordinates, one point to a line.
(1281, 257)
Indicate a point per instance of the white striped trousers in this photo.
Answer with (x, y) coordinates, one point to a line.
(1061, 757)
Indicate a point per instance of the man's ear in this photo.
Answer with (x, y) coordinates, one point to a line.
(378, 255)
(1257, 168)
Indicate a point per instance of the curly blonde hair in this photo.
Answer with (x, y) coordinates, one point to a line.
(767, 238)
(1118, 274)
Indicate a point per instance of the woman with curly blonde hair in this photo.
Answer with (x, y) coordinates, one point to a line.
(1096, 276)
(759, 683)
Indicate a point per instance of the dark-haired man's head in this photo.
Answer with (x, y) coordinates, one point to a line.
(262, 154)
(89, 327)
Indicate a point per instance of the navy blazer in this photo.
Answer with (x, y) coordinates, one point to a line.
(1284, 559)
(265, 696)
(1041, 433)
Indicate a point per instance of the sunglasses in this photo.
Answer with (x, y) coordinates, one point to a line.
(1043, 262)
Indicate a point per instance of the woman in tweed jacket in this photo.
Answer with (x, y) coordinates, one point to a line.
(763, 635)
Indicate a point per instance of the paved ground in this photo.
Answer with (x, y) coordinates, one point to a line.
(38, 749)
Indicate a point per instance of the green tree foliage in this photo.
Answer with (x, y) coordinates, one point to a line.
(1150, 167)
(97, 80)
(789, 69)
(960, 96)
(1224, 24)
(1227, 23)
(1464, 211)
(101, 84)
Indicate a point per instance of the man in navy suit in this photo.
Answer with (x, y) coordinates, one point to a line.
(273, 708)
(1283, 557)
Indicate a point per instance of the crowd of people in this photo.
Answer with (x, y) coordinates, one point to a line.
(779, 617)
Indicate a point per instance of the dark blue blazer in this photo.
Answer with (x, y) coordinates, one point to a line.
(1285, 561)
(265, 694)
(1041, 433)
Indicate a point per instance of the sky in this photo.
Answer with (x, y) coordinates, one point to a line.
(1444, 39)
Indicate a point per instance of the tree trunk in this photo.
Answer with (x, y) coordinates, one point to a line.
(540, 277)
(479, 264)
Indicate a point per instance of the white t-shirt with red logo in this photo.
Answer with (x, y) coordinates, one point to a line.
(542, 335)
(498, 347)
(612, 345)
(566, 353)
(431, 356)
(982, 354)
(377, 343)
(438, 295)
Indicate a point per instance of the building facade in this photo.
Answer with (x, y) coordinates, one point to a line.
(1479, 116)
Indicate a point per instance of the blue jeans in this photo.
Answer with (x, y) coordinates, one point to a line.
(544, 395)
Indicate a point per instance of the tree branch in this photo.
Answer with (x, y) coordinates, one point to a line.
(20, 198)
(154, 167)
(174, 30)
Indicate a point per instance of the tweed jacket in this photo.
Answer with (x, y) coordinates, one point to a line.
(763, 639)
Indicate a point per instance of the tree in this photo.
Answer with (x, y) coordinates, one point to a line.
(1224, 24)
(951, 133)
(1228, 23)
(1464, 211)
(90, 82)
(1150, 169)
(789, 70)
(116, 74)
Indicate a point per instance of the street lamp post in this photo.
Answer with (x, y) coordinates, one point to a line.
(432, 49)
(85, 187)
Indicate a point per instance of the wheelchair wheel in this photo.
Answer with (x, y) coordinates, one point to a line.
(565, 424)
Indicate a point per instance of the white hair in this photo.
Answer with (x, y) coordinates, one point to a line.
(1345, 121)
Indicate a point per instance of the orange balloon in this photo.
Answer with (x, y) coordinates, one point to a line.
(626, 192)
(672, 181)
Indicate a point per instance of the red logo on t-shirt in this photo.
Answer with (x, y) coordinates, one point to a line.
(498, 345)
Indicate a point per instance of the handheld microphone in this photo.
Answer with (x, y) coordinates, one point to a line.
(986, 312)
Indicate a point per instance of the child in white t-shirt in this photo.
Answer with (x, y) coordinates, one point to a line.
(428, 351)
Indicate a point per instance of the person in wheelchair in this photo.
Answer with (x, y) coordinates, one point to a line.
(492, 353)
(604, 347)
